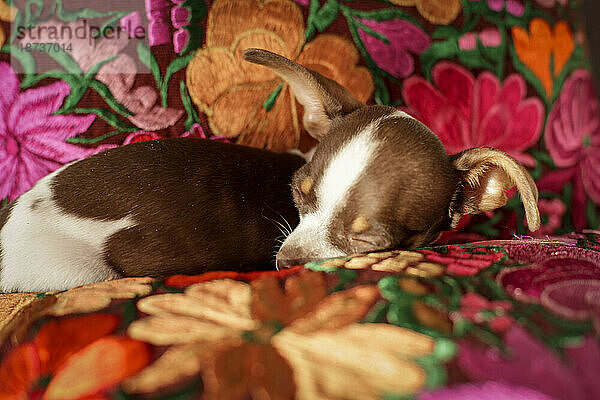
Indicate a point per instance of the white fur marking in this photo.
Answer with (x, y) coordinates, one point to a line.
(343, 171)
(48, 249)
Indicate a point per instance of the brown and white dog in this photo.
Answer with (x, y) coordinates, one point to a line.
(378, 179)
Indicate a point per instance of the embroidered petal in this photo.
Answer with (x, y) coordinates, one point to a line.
(97, 367)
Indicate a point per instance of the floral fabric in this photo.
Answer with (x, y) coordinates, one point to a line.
(504, 73)
(496, 319)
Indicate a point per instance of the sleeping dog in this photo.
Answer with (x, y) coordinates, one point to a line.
(378, 179)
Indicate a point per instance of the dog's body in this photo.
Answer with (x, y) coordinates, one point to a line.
(153, 208)
(378, 179)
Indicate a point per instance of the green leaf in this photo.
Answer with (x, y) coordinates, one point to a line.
(79, 140)
(95, 68)
(310, 21)
(111, 22)
(26, 60)
(326, 15)
(593, 216)
(175, 65)
(148, 59)
(109, 117)
(270, 101)
(437, 51)
(385, 14)
(104, 91)
(78, 89)
(66, 61)
(192, 116)
(82, 13)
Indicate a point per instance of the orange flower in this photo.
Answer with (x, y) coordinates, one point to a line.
(7, 13)
(536, 48)
(75, 357)
(440, 12)
(258, 338)
(234, 93)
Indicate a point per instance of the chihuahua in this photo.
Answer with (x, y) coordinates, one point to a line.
(378, 179)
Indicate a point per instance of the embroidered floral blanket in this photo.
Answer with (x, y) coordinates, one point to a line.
(76, 78)
(498, 319)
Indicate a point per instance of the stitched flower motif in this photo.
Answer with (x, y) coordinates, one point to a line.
(514, 7)
(233, 93)
(440, 12)
(32, 140)
(551, 212)
(484, 391)
(466, 112)
(543, 47)
(96, 296)
(573, 132)
(489, 37)
(161, 15)
(404, 38)
(425, 263)
(566, 286)
(282, 330)
(71, 359)
(478, 309)
(534, 365)
(118, 74)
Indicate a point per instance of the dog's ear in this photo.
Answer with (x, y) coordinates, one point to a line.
(485, 176)
(322, 98)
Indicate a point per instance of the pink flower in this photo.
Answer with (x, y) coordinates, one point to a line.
(32, 140)
(464, 261)
(478, 309)
(196, 131)
(163, 14)
(466, 112)
(569, 287)
(573, 132)
(404, 38)
(552, 212)
(488, 390)
(514, 7)
(489, 37)
(533, 364)
(119, 74)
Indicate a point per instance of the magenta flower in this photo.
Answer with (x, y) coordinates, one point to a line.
(573, 132)
(489, 390)
(404, 38)
(466, 112)
(32, 140)
(568, 287)
(531, 364)
(514, 7)
(552, 212)
(489, 37)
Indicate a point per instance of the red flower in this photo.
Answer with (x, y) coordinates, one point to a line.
(77, 357)
(464, 261)
(478, 309)
(466, 112)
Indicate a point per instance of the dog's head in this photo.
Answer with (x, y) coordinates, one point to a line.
(381, 179)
